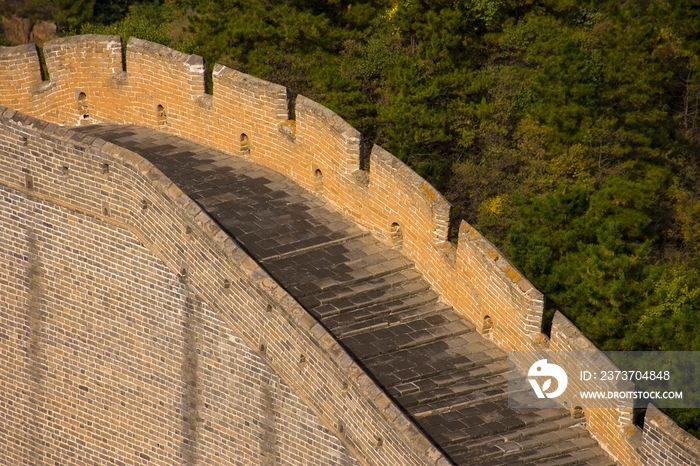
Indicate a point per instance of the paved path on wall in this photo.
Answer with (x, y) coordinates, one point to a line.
(431, 361)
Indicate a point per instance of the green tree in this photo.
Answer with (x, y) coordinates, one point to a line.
(143, 21)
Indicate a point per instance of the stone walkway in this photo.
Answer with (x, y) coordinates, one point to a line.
(430, 360)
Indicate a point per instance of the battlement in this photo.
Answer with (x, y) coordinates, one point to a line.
(163, 89)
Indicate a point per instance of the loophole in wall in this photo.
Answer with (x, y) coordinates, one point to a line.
(245, 143)
(318, 180)
(83, 105)
(487, 326)
(396, 235)
(161, 116)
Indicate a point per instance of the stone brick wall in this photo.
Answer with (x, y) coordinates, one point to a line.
(109, 357)
(612, 427)
(164, 89)
(665, 444)
(20, 75)
(134, 329)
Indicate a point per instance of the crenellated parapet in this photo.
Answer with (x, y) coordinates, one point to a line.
(613, 426)
(91, 181)
(160, 88)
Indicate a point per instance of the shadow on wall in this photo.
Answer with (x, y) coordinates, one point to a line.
(161, 88)
(165, 89)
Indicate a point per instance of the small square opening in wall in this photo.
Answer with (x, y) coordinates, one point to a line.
(378, 441)
(487, 326)
(184, 272)
(28, 181)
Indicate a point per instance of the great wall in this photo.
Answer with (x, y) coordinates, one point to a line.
(196, 278)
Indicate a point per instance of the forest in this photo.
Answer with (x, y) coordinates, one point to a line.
(567, 132)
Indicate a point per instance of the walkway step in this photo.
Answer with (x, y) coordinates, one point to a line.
(460, 402)
(303, 249)
(466, 387)
(401, 337)
(439, 357)
(560, 453)
(448, 378)
(433, 314)
(473, 446)
(375, 285)
(386, 308)
(354, 303)
(337, 264)
(329, 286)
(533, 445)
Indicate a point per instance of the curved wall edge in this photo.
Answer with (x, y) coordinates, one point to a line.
(249, 117)
(666, 444)
(156, 211)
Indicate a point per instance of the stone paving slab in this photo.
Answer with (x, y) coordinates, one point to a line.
(428, 358)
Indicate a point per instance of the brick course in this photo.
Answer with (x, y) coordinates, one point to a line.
(109, 202)
(107, 356)
(165, 90)
(665, 444)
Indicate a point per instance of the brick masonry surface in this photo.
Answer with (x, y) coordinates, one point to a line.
(433, 362)
(164, 90)
(108, 358)
(665, 444)
(81, 178)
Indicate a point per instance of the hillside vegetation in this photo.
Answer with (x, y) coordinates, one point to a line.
(567, 132)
